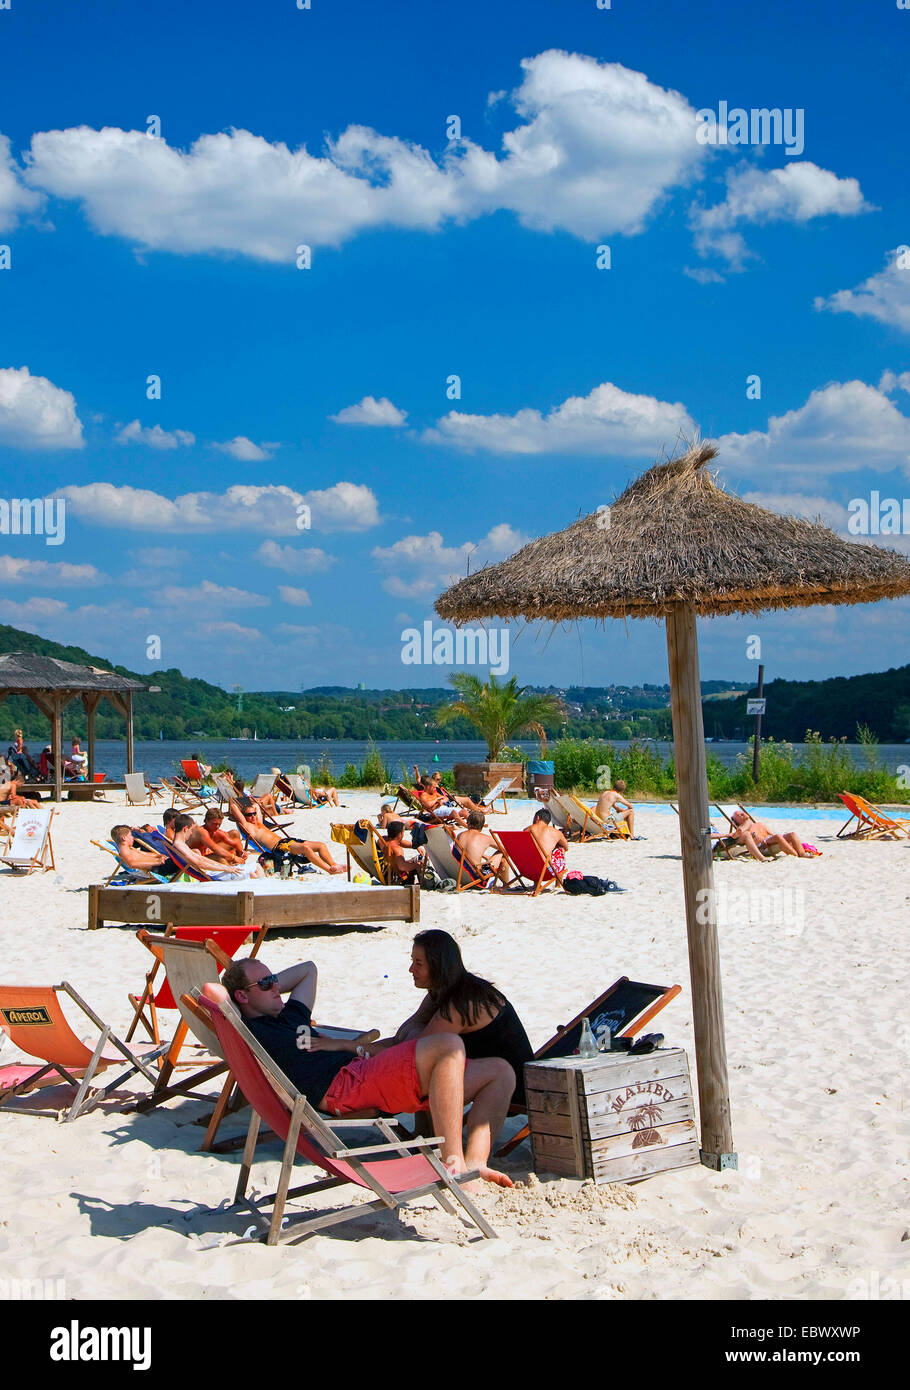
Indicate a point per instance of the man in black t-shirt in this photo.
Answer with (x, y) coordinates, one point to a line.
(341, 1076)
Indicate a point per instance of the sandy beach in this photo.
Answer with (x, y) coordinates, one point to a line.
(815, 976)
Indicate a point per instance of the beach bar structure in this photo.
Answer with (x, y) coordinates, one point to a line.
(676, 546)
(51, 685)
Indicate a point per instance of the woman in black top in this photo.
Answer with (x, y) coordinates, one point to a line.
(462, 1003)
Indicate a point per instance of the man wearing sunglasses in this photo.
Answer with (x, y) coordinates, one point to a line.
(341, 1076)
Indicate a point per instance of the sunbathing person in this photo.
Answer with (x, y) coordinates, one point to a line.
(316, 851)
(756, 836)
(133, 857)
(388, 815)
(465, 802)
(434, 800)
(613, 803)
(9, 793)
(407, 863)
(481, 849)
(342, 1077)
(201, 839)
(213, 822)
(266, 802)
(551, 842)
(458, 1002)
(181, 829)
(321, 795)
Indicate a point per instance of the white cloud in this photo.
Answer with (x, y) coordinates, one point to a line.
(16, 200)
(596, 148)
(425, 564)
(369, 411)
(885, 296)
(842, 428)
(245, 450)
(833, 514)
(294, 559)
(894, 381)
(703, 275)
(216, 594)
(16, 571)
(155, 437)
(36, 414)
(298, 598)
(27, 613)
(234, 631)
(243, 507)
(607, 420)
(796, 193)
(160, 556)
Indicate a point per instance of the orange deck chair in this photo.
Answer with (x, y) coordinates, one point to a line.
(625, 1007)
(871, 822)
(33, 1019)
(393, 1175)
(531, 869)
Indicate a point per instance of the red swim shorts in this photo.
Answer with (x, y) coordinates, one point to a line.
(387, 1082)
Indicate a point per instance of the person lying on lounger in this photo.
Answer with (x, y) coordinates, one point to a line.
(435, 799)
(458, 1002)
(481, 849)
(550, 839)
(131, 855)
(219, 851)
(182, 827)
(613, 803)
(466, 803)
(388, 815)
(321, 795)
(756, 836)
(213, 821)
(343, 1077)
(266, 803)
(316, 851)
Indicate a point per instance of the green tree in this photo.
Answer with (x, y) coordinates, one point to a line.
(499, 713)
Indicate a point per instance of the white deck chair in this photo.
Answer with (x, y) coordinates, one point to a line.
(31, 846)
(497, 793)
(138, 791)
(445, 863)
(301, 789)
(263, 785)
(582, 819)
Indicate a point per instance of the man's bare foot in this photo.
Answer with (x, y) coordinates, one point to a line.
(485, 1174)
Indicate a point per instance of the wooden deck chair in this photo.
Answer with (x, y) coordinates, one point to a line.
(410, 803)
(178, 793)
(138, 791)
(192, 771)
(450, 861)
(264, 784)
(31, 846)
(157, 993)
(871, 822)
(394, 1175)
(303, 795)
(34, 1020)
(724, 845)
(583, 822)
(527, 862)
(122, 873)
(364, 845)
(625, 1008)
(497, 793)
(731, 844)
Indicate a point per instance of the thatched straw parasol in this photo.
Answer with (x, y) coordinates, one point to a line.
(673, 546)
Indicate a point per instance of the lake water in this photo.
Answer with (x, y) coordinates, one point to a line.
(157, 758)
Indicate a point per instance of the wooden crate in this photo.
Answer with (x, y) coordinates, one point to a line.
(612, 1118)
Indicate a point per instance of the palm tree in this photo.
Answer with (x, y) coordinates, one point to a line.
(499, 712)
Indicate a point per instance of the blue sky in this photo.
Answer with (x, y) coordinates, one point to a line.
(175, 256)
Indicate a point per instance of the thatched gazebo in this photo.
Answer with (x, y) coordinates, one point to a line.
(51, 684)
(676, 546)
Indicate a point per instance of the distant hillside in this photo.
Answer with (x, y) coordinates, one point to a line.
(832, 708)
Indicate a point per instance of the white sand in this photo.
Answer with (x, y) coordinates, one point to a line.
(818, 1045)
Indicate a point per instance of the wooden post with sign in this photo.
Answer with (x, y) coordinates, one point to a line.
(759, 704)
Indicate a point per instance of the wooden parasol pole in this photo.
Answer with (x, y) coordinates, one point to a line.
(698, 880)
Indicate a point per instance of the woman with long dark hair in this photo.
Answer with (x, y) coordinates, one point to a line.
(459, 1002)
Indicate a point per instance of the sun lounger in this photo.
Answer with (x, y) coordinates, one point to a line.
(625, 1008)
(138, 791)
(30, 846)
(146, 1005)
(394, 1175)
(724, 843)
(582, 822)
(303, 795)
(263, 785)
(34, 1020)
(410, 802)
(532, 870)
(365, 846)
(728, 845)
(871, 822)
(450, 861)
(122, 873)
(497, 793)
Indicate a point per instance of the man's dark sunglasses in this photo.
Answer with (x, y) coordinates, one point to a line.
(264, 982)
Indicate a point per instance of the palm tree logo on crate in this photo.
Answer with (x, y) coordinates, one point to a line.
(643, 1121)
